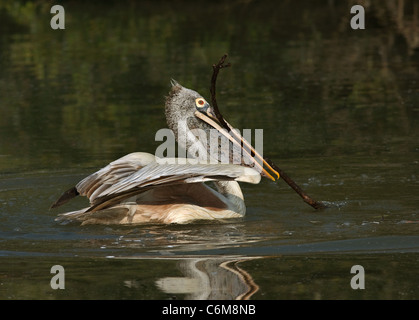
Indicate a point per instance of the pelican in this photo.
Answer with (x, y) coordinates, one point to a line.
(143, 188)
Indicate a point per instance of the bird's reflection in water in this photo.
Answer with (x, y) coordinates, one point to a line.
(211, 278)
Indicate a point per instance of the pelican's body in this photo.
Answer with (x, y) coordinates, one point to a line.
(141, 188)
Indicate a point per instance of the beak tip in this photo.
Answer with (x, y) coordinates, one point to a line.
(269, 176)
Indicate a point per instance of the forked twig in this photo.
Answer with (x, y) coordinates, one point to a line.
(307, 199)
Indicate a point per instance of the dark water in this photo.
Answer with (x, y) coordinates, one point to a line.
(340, 114)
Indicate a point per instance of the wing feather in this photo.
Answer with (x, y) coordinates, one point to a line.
(155, 175)
(134, 174)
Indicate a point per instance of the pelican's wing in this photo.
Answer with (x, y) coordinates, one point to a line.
(154, 175)
(138, 172)
(107, 176)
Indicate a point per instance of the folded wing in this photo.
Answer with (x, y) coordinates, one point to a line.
(138, 172)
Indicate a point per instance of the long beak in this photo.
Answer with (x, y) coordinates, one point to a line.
(210, 118)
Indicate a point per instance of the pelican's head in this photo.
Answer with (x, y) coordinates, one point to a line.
(193, 122)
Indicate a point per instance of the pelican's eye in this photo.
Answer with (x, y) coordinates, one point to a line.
(200, 103)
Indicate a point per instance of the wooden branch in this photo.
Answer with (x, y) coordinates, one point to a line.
(307, 199)
(215, 69)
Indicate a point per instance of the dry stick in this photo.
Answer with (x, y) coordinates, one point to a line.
(307, 199)
(215, 69)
